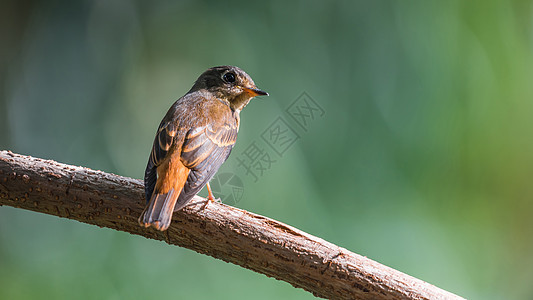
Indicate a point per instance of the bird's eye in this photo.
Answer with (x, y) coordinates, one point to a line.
(229, 77)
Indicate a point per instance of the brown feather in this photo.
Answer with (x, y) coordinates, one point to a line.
(171, 177)
(171, 174)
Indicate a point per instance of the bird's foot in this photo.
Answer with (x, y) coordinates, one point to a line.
(210, 199)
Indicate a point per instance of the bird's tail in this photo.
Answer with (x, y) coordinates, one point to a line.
(158, 212)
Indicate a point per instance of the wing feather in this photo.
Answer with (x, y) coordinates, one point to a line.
(204, 153)
(163, 141)
(203, 149)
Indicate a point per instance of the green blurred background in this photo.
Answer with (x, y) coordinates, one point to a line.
(423, 160)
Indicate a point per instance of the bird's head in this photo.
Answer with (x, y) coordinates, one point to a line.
(229, 84)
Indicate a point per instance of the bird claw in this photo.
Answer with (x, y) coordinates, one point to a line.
(211, 199)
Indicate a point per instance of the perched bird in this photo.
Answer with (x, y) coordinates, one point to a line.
(193, 140)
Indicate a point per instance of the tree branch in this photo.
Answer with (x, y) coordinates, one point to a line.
(233, 235)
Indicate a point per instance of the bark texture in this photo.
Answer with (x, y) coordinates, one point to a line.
(249, 240)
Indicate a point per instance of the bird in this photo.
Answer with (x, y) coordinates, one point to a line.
(193, 140)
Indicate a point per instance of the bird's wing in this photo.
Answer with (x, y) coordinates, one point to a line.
(204, 150)
(162, 143)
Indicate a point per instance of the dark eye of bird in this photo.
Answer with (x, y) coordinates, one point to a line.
(229, 77)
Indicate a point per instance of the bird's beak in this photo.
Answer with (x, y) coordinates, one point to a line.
(255, 91)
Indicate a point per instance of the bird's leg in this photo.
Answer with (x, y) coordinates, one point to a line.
(210, 198)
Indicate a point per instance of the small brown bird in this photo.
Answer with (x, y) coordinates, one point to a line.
(193, 140)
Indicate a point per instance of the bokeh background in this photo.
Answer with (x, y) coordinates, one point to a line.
(422, 160)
